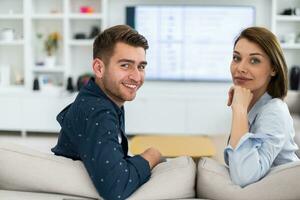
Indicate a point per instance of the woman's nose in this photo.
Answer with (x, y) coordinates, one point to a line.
(242, 67)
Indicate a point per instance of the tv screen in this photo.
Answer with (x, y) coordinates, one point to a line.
(189, 42)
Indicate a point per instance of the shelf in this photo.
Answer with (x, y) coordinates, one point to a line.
(85, 16)
(43, 69)
(48, 16)
(291, 18)
(12, 43)
(83, 42)
(11, 88)
(11, 16)
(290, 46)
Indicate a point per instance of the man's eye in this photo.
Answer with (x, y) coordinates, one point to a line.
(254, 61)
(126, 65)
(142, 67)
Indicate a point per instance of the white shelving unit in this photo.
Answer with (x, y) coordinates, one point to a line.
(32, 21)
(23, 58)
(12, 21)
(287, 29)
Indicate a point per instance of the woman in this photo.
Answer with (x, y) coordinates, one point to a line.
(262, 129)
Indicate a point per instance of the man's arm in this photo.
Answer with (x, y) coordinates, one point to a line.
(114, 175)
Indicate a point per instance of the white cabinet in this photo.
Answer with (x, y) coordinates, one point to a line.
(31, 111)
(287, 28)
(24, 57)
(10, 117)
(43, 110)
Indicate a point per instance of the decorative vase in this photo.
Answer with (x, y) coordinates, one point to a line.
(50, 61)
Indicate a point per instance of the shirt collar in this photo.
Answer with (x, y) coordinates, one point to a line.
(265, 98)
(96, 90)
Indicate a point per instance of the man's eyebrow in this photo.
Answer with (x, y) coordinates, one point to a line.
(132, 61)
(126, 60)
(143, 63)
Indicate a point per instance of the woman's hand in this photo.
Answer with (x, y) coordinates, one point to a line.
(239, 98)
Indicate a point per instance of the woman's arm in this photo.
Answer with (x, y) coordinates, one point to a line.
(239, 100)
(254, 154)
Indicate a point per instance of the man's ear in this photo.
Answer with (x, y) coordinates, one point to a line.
(98, 68)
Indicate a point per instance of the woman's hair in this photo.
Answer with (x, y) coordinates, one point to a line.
(278, 85)
(106, 41)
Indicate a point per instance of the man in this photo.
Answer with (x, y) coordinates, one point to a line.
(92, 127)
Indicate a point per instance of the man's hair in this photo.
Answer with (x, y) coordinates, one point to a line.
(264, 38)
(106, 41)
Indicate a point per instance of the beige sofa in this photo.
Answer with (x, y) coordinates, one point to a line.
(29, 174)
(44, 176)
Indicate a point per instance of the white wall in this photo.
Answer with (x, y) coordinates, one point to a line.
(182, 107)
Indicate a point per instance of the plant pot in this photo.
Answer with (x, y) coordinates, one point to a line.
(50, 61)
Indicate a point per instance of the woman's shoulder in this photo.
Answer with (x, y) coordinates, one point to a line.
(276, 103)
(276, 107)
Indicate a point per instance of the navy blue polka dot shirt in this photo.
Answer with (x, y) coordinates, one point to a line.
(93, 130)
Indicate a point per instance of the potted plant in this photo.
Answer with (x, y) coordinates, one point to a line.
(51, 46)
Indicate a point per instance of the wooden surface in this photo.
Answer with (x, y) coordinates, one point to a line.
(173, 146)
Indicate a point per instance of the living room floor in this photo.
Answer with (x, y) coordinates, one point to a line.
(45, 141)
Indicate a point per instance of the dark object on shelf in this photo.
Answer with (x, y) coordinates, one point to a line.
(36, 84)
(83, 80)
(70, 86)
(79, 36)
(295, 78)
(94, 32)
(288, 11)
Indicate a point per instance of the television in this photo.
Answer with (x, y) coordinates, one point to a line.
(190, 43)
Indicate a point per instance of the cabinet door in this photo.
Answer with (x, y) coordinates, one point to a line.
(10, 117)
(40, 113)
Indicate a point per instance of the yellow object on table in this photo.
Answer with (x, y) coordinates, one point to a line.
(174, 145)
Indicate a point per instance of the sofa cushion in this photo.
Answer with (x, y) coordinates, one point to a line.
(173, 179)
(213, 182)
(17, 195)
(24, 169)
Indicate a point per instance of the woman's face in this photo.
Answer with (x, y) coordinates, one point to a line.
(251, 67)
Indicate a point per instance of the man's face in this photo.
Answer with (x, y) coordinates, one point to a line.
(124, 74)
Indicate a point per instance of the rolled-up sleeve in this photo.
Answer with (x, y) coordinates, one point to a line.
(114, 174)
(253, 156)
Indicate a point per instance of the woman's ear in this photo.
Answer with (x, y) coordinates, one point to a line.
(273, 72)
(98, 68)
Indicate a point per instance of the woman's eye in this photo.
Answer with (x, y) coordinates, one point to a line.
(235, 58)
(254, 61)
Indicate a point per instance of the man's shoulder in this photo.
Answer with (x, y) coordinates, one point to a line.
(85, 102)
(93, 108)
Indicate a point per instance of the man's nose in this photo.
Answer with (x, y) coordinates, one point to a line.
(135, 74)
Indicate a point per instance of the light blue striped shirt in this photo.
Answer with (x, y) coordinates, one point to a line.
(268, 143)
